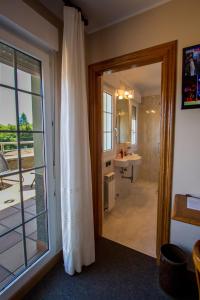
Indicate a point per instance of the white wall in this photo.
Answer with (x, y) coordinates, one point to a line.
(176, 20)
(23, 18)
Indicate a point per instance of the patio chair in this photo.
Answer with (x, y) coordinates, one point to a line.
(3, 167)
(4, 170)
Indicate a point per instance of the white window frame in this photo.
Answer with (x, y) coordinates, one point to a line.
(136, 124)
(48, 114)
(135, 146)
(109, 153)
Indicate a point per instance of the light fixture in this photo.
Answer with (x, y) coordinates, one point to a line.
(125, 94)
(121, 113)
(150, 111)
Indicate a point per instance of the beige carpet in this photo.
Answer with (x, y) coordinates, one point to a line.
(132, 222)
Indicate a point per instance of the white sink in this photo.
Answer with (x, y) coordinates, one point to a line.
(127, 160)
(135, 159)
(121, 162)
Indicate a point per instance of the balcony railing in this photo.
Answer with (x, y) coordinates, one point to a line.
(3, 144)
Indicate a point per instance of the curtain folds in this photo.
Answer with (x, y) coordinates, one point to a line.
(76, 186)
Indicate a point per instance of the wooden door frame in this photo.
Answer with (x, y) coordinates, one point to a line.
(167, 55)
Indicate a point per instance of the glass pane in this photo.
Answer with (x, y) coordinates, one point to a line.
(104, 142)
(28, 186)
(109, 122)
(133, 113)
(133, 125)
(28, 73)
(36, 237)
(104, 121)
(133, 140)
(109, 103)
(30, 112)
(104, 102)
(34, 192)
(109, 141)
(6, 65)
(8, 153)
(7, 109)
(32, 150)
(11, 256)
(10, 204)
(6, 277)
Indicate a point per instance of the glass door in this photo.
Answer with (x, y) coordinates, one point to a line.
(23, 169)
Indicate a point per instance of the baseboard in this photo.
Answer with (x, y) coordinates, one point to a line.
(37, 277)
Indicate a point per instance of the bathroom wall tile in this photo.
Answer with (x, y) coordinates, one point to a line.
(149, 137)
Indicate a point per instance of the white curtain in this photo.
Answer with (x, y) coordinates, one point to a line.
(76, 186)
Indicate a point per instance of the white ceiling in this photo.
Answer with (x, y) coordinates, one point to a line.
(103, 13)
(147, 79)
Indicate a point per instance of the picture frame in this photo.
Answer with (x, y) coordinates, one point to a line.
(191, 77)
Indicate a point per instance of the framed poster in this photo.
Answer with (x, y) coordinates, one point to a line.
(191, 77)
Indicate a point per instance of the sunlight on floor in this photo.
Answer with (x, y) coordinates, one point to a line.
(11, 195)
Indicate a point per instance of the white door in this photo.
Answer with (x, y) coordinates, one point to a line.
(27, 186)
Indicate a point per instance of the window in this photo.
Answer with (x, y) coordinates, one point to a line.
(23, 205)
(107, 121)
(133, 126)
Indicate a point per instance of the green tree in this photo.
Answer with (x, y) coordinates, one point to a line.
(25, 125)
(10, 136)
(23, 119)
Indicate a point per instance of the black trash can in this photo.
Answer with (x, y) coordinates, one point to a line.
(173, 270)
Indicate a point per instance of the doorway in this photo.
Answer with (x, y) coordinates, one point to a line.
(131, 156)
(165, 54)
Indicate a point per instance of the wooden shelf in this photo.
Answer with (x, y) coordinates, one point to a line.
(184, 214)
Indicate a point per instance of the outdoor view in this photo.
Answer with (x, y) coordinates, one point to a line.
(23, 214)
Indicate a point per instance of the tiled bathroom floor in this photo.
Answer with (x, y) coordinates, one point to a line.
(133, 220)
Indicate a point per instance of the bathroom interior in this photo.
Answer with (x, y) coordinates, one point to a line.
(131, 156)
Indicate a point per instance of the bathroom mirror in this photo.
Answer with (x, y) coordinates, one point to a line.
(126, 122)
(123, 121)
